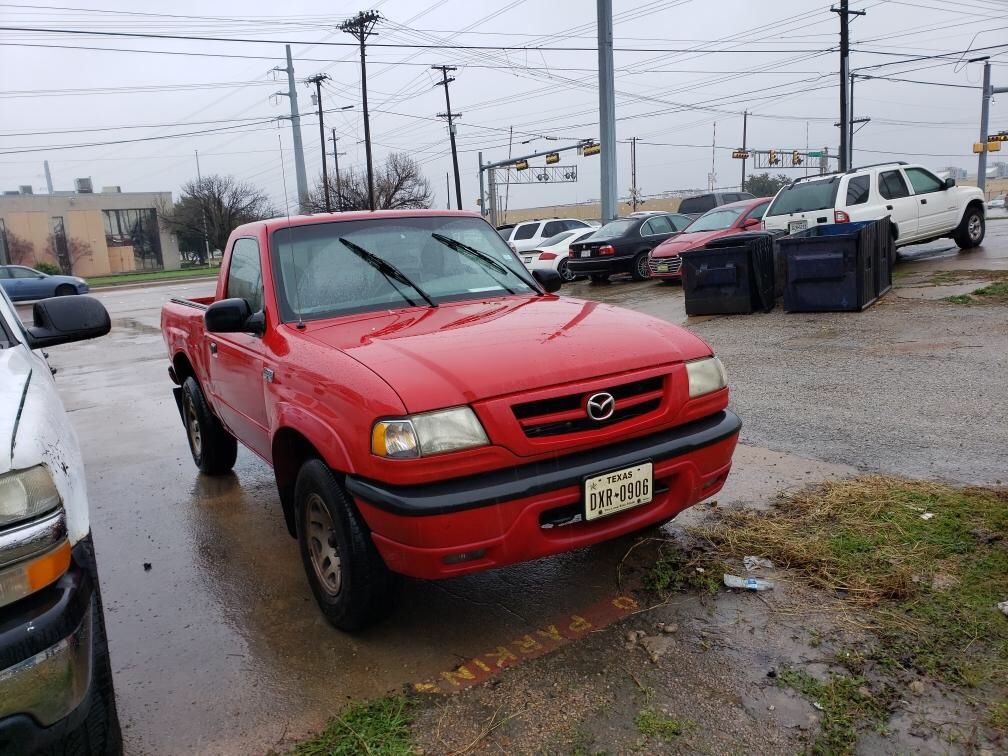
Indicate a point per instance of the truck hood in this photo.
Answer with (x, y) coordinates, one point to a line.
(470, 351)
(686, 241)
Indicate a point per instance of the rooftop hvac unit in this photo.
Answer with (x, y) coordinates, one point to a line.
(111, 190)
(83, 186)
(25, 189)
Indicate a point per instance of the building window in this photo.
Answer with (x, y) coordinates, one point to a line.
(58, 244)
(139, 229)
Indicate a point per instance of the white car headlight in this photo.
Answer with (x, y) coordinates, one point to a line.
(26, 494)
(427, 433)
(705, 375)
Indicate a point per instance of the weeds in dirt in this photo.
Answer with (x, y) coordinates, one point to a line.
(996, 292)
(654, 724)
(846, 704)
(958, 299)
(379, 728)
(925, 563)
(673, 571)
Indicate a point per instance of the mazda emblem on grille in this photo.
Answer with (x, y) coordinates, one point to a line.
(601, 406)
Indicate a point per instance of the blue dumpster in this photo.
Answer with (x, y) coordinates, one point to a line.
(730, 275)
(837, 268)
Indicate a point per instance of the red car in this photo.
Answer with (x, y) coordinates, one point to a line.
(431, 408)
(665, 261)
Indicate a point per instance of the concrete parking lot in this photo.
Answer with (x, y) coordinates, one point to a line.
(216, 644)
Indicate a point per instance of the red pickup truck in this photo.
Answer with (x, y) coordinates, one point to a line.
(431, 408)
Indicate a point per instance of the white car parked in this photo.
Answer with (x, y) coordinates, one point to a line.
(531, 234)
(921, 206)
(56, 692)
(552, 253)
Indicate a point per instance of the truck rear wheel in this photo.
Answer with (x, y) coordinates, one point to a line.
(352, 585)
(214, 450)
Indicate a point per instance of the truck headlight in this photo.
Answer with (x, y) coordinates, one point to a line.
(705, 375)
(427, 433)
(26, 494)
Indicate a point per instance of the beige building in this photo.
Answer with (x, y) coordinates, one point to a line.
(89, 233)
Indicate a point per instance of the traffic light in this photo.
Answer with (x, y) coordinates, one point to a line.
(591, 149)
(772, 158)
(796, 158)
(553, 157)
(740, 154)
(1001, 136)
(521, 165)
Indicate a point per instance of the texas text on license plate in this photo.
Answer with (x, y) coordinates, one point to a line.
(797, 226)
(619, 490)
(527, 259)
(586, 253)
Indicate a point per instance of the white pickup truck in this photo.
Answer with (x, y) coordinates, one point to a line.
(921, 206)
(56, 692)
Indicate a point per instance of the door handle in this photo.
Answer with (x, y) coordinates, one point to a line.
(923, 201)
(213, 348)
(888, 207)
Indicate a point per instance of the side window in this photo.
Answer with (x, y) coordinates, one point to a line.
(245, 273)
(731, 197)
(553, 228)
(659, 225)
(758, 211)
(892, 186)
(857, 190)
(707, 202)
(525, 231)
(923, 182)
(573, 224)
(18, 272)
(3, 272)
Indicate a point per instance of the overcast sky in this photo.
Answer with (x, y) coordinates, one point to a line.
(708, 60)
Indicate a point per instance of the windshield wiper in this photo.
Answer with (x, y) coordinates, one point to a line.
(387, 269)
(482, 257)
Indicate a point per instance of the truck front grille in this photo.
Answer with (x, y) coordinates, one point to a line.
(568, 414)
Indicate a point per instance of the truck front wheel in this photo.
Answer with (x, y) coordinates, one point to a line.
(970, 232)
(351, 583)
(214, 450)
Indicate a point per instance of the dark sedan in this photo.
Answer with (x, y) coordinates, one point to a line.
(23, 283)
(622, 246)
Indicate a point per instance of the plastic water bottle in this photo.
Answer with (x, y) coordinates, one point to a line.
(748, 583)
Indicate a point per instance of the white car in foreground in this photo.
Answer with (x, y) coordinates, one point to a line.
(552, 253)
(56, 692)
(921, 206)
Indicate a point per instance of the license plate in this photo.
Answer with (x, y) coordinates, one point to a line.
(797, 226)
(527, 259)
(617, 491)
(662, 268)
(586, 253)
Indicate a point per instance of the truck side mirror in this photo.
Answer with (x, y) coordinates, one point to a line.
(228, 316)
(61, 320)
(949, 183)
(549, 279)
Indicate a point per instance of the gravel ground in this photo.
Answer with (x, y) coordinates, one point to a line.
(906, 387)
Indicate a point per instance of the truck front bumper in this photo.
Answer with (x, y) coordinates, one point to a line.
(462, 525)
(46, 662)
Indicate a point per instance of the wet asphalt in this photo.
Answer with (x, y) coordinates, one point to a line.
(218, 646)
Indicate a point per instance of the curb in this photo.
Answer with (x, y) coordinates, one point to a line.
(148, 284)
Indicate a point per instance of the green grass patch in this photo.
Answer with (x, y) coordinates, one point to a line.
(958, 299)
(925, 563)
(154, 275)
(996, 290)
(674, 572)
(846, 705)
(379, 728)
(654, 724)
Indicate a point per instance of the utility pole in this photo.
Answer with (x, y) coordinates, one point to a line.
(336, 156)
(445, 81)
(845, 13)
(633, 173)
(447, 184)
(607, 111)
(317, 80)
(295, 119)
(361, 27)
(745, 123)
(988, 92)
(483, 198)
(712, 179)
(199, 183)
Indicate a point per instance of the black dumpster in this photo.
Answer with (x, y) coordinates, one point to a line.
(733, 274)
(837, 268)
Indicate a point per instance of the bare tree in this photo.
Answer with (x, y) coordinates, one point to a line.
(19, 251)
(399, 185)
(67, 251)
(223, 202)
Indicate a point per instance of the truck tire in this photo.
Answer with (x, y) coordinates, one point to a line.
(640, 270)
(352, 585)
(99, 734)
(971, 230)
(214, 450)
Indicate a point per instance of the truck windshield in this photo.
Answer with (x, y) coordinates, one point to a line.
(317, 276)
(805, 196)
